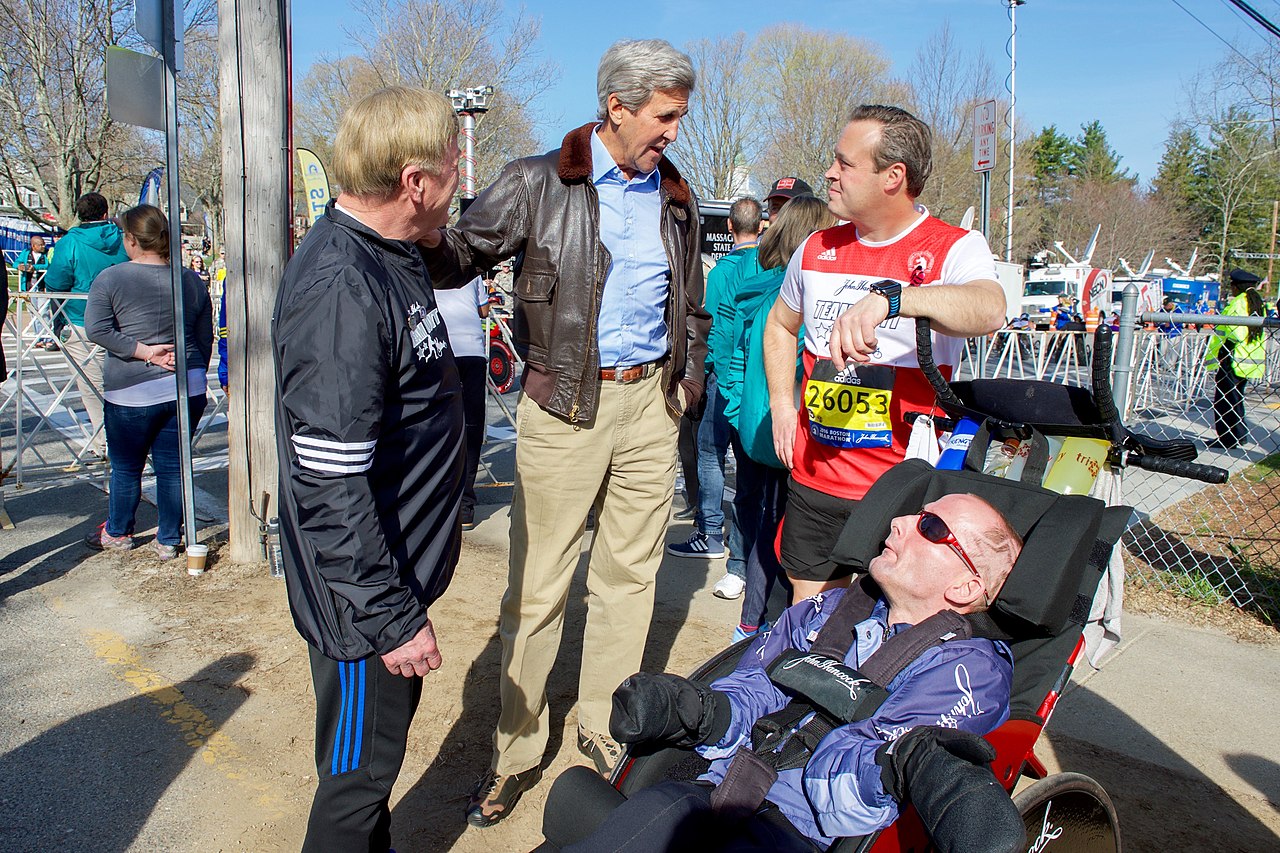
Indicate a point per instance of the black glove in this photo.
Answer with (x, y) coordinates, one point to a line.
(657, 707)
(944, 774)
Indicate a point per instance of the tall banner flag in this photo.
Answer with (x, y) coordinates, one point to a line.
(151, 187)
(316, 181)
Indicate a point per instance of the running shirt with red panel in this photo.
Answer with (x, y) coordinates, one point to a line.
(851, 425)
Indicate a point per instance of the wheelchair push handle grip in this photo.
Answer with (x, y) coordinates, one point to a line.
(1178, 468)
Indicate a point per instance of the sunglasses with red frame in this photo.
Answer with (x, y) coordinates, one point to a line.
(933, 528)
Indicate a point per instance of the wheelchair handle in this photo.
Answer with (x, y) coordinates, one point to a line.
(1102, 391)
(1178, 468)
(924, 356)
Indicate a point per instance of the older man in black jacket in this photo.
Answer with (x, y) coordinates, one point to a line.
(369, 429)
(609, 319)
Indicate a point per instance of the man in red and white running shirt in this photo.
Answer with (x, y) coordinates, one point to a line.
(857, 288)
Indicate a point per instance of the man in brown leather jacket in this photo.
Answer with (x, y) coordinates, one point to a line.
(609, 319)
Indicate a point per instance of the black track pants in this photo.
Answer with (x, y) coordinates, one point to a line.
(363, 714)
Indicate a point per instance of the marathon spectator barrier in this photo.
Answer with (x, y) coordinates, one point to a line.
(41, 406)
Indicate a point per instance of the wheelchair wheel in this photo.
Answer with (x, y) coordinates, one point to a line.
(502, 366)
(1070, 813)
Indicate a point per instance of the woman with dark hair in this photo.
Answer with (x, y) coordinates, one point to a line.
(130, 314)
(1238, 354)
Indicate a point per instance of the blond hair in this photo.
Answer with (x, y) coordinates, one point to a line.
(387, 130)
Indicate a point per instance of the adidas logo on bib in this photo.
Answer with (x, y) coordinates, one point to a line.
(828, 255)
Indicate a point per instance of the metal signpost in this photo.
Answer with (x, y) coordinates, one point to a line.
(133, 81)
(984, 156)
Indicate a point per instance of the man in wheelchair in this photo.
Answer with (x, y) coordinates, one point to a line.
(828, 718)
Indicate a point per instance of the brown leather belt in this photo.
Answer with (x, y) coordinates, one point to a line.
(630, 374)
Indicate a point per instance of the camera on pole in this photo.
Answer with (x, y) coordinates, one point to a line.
(469, 103)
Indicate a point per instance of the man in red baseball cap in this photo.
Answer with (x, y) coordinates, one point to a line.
(785, 189)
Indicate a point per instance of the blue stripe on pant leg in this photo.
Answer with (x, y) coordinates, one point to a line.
(359, 714)
(350, 713)
(342, 713)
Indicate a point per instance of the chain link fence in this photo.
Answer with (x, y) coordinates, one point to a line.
(1214, 544)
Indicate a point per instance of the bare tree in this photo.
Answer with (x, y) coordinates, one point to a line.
(718, 138)
(200, 132)
(1132, 221)
(811, 81)
(436, 45)
(54, 129)
(947, 82)
(56, 136)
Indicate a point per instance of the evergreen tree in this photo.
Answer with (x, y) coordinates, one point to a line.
(1175, 177)
(1093, 158)
(1051, 157)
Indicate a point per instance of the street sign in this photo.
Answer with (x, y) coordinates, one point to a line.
(984, 136)
(1255, 256)
(148, 17)
(135, 88)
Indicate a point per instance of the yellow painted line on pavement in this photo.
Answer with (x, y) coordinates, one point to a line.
(216, 749)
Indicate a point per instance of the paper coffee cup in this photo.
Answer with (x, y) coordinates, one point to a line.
(196, 557)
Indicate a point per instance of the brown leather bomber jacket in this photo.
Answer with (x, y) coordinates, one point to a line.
(547, 207)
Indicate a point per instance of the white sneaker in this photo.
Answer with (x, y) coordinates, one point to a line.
(730, 587)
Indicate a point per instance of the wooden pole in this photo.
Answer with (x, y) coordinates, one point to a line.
(255, 164)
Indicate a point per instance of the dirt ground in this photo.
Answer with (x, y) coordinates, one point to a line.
(235, 611)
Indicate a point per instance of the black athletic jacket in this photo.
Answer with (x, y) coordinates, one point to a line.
(369, 432)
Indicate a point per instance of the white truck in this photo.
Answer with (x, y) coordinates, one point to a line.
(1086, 286)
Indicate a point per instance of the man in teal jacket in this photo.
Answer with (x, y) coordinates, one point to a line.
(82, 253)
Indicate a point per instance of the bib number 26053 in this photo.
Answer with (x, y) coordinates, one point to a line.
(850, 408)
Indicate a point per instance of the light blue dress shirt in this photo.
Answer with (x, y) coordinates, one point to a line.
(632, 327)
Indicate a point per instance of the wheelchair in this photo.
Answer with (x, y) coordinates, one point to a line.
(1040, 612)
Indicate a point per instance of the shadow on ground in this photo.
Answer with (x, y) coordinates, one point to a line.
(1164, 802)
(92, 782)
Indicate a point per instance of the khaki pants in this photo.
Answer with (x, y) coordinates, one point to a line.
(88, 356)
(627, 456)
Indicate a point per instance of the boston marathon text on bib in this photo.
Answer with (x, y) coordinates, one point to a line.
(850, 408)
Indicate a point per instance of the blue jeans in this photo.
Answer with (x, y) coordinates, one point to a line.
(759, 503)
(132, 432)
(713, 443)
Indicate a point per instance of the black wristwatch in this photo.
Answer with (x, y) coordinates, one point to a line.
(891, 290)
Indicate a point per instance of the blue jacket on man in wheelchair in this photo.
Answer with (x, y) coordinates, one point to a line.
(962, 684)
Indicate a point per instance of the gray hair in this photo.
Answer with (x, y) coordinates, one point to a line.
(744, 216)
(633, 70)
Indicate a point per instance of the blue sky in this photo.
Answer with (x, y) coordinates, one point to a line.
(1124, 62)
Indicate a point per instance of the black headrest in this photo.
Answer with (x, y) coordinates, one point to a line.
(1060, 533)
(1052, 407)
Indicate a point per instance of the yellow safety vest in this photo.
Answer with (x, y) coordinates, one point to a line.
(1248, 358)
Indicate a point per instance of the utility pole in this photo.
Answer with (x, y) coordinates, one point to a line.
(257, 211)
(1271, 259)
(1013, 123)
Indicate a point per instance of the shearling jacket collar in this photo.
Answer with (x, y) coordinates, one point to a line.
(575, 164)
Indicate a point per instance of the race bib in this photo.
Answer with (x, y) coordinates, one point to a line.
(850, 408)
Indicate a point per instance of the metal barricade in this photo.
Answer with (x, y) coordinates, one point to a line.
(1213, 544)
(1051, 356)
(53, 435)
